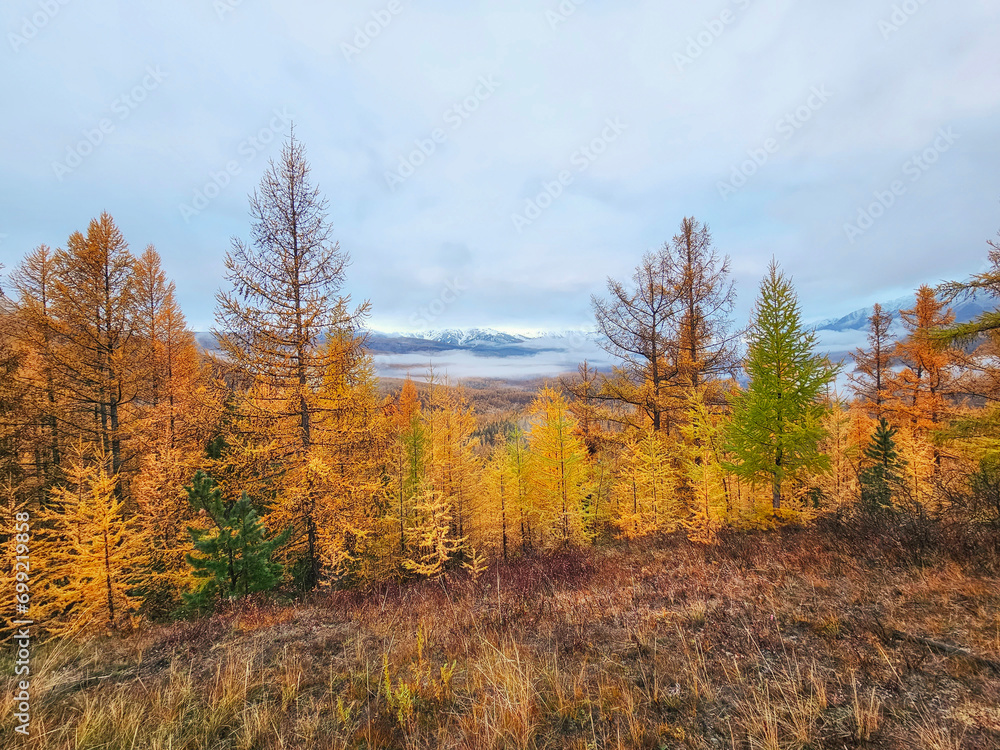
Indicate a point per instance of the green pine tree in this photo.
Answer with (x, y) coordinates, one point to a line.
(776, 425)
(235, 556)
(883, 473)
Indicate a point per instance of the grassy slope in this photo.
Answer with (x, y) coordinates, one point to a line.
(765, 641)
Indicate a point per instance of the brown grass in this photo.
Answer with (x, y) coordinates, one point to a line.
(767, 641)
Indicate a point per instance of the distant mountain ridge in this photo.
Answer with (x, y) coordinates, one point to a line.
(965, 310)
(488, 342)
(499, 350)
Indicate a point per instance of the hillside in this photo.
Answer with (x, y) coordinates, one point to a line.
(769, 640)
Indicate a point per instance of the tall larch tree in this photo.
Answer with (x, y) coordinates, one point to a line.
(406, 462)
(168, 358)
(501, 496)
(871, 379)
(172, 428)
(452, 468)
(283, 302)
(585, 404)
(16, 492)
(839, 486)
(922, 387)
(705, 297)
(354, 523)
(706, 480)
(670, 327)
(776, 425)
(635, 323)
(15, 402)
(93, 321)
(34, 283)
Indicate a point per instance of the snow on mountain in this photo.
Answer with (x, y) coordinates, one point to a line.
(838, 336)
(858, 319)
(488, 352)
(472, 337)
(964, 310)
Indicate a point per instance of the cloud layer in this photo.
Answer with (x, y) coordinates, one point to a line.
(431, 126)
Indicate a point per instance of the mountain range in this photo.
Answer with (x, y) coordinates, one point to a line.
(488, 352)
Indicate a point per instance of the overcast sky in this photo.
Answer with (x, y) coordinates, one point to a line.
(779, 123)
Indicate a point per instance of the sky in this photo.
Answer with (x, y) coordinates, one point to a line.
(492, 164)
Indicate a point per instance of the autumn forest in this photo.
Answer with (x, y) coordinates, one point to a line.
(179, 493)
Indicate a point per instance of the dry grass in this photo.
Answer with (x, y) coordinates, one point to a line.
(767, 641)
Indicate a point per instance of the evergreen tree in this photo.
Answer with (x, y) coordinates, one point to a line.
(236, 556)
(776, 425)
(882, 476)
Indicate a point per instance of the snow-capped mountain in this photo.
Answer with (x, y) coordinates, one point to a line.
(488, 352)
(858, 320)
(473, 337)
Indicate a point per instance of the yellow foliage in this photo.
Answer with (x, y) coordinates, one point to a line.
(645, 493)
(560, 474)
(89, 554)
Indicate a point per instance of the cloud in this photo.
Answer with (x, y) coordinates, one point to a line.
(557, 85)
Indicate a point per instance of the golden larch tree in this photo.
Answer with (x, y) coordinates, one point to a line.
(560, 472)
(93, 323)
(872, 376)
(921, 389)
(32, 334)
(283, 303)
(90, 552)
